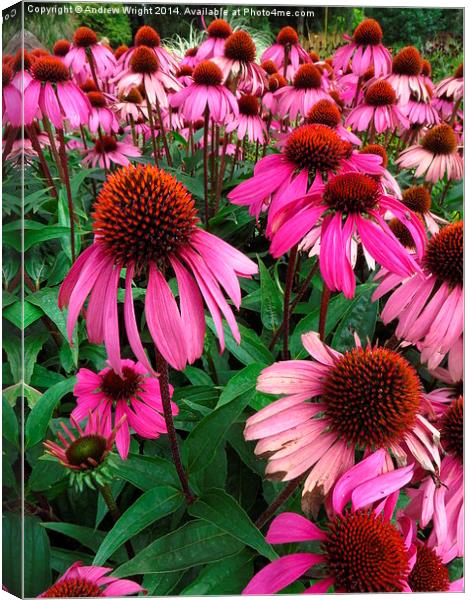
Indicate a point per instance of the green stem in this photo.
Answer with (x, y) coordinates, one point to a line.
(115, 513)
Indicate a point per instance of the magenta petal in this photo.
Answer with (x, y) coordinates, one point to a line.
(111, 322)
(130, 322)
(192, 310)
(291, 527)
(164, 320)
(280, 573)
(367, 469)
(122, 587)
(382, 485)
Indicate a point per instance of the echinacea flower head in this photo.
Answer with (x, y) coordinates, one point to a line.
(306, 89)
(86, 452)
(435, 157)
(269, 66)
(379, 110)
(61, 48)
(85, 44)
(364, 50)
(368, 398)
(360, 550)
(147, 37)
(308, 149)
(440, 499)
(132, 397)
(429, 573)
(348, 207)
(57, 97)
(452, 88)
(269, 100)
(429, 306)
(326, 112)
(12, 101)
(144, 71)
(287, 53)
(418, 199)
(217, 32)
(248, 122)
(406, 78)
(146, 222)
(206, 92)
(107, 150)
(238, 64)
(101, 115)
(79, 581)
(120, 50)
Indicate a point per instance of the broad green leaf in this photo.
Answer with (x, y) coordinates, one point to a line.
(219, 508)
(87, 536)
(146, 472)
(195, 543)
(37, 569)
(22, 317)
(12, 559)
(32, 346)
(224, 577)
(200, 446)
(338, 307)
(240, 383)
(46, 474)
(271, 299)
(360, 318)
(40, 416)
(46, 299)
(151, 506)
(161, 584)
(9, 423)
(251, 349)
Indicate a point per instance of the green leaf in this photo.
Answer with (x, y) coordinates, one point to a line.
(40, 416)
(46, 299)
(45, 474)
(151, 506)
(37, 570)
(146, 472)
(11, 556)
(224, 577)
(32, 346)
(22, 318)
(195, 543)
(360, 318)
(161, 584)
(9, 423)
(251, 349)
(87, 536)
(12, 347)
(201, 444)
(271, 299)
(219, 508)
(240, 383)
(338, 308)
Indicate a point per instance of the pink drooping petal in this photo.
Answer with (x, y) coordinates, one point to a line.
(111, 322)
(364, 471)
(290, 527)
(192, 310)
(280, 573)
(131, 323)
(381, 486)
(164, 320)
